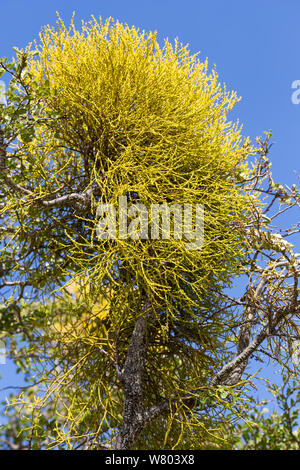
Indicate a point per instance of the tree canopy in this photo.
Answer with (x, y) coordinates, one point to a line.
(133, 341)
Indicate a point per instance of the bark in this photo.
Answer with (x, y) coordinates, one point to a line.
(132, 379)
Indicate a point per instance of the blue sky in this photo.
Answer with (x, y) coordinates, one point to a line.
(254, 45)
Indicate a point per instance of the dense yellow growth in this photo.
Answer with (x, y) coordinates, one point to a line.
(145, 122)
(148, 122)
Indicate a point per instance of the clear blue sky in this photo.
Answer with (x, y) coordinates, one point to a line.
(254, 44)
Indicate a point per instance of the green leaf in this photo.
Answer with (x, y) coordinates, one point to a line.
(27, 135)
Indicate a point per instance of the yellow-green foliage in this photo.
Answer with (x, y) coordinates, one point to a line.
(133, 118)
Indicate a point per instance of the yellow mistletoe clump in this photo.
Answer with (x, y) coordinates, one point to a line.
(147, 123)
(125, 116)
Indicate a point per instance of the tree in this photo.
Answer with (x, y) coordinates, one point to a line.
(276, 430)
(133, 342)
